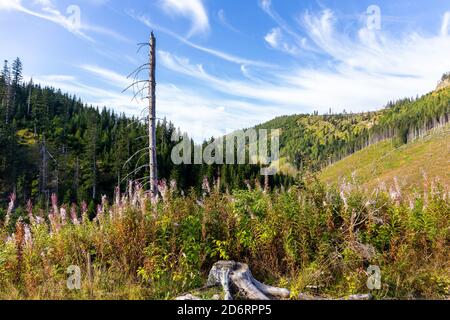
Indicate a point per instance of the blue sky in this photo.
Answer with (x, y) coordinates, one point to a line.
(225, 65)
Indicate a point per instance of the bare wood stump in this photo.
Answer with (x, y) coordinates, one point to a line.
(236, 277)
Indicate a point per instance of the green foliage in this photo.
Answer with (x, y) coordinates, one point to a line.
(311, 239)
(57, 144)
(311, 142)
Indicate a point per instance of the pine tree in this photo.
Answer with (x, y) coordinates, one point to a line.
(6, 95)
(16, 72)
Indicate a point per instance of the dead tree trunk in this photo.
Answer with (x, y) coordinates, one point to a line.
(150, 86)
(152, 119)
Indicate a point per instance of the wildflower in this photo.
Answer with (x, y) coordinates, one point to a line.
(411, 205)
(397, 188)
(99, 213)
(74, 215)
(28, 236)
(104, 202)
(30, 212)
(54, 199)
(130, 190)
(84, 209)
(173, 185)
(205, 186)
(54, 224)
(162, 188)
(12, 199)
(217, 185)
(344, 199)
(154, 199)
(117, 196)
(63, 215)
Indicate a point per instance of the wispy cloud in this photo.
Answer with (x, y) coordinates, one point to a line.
(46, 11)
(266, 5)
(216, 53)
(364, 70)
(275, 39)
(70, 20)
(191, 111)
(192, 9)
(224, 21)
(445, 24)
(108, 76)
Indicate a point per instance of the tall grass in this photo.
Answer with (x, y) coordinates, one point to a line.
(312, 238)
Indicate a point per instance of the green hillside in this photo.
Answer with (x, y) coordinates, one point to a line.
(313, 142)
(381, 163)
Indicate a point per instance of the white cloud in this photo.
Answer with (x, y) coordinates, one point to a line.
(266, 5)
(47, 12)
(359, 71)
(10, 4)
(201, 115)
(45, 9)
(377, 53)
(224, 21)
(363, 71)
(275, 39)
(192, 9)
(445, 24)
(216, 53)
(109, 76)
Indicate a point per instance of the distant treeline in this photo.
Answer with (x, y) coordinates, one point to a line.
(51, 142)
(311, 142)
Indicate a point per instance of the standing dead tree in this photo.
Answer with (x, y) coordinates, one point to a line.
(139, 88)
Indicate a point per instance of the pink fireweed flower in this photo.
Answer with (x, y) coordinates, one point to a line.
(54, 223)
(397, 188)
(74, 215)
(130, 190)
(63, 215)
(30, 212)
(84, 210)
(117, 196)
(136, 197)
(99, 210)
(11, 238)
(28, 236)
(217, 184)
(173, 185)
(104, 202)
(154, 199)
(39, 220)
(205, 186)
(54, 199)
(344, 199)
(12, 199)
(162, 188)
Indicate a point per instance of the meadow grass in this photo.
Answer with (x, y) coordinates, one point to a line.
(311, 239)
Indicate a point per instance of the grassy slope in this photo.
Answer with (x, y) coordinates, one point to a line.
(382, 162)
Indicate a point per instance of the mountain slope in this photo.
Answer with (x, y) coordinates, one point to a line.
(312, 142)
(409, 163)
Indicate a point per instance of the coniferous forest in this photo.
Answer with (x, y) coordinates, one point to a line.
(52, 143)
(73, 192)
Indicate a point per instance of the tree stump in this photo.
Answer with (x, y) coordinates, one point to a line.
(236, 277)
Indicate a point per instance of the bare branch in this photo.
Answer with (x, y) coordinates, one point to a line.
(135, 154)
(133, 84)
